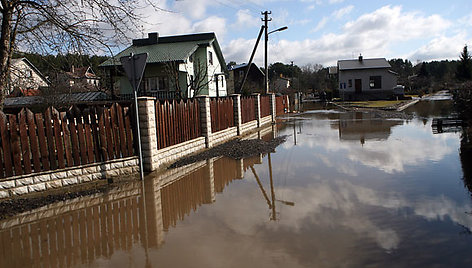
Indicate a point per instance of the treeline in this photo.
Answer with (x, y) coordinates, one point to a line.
(49, 65)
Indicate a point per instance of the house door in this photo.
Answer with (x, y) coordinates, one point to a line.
(358, 85)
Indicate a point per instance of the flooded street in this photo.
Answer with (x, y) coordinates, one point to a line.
(346, 189)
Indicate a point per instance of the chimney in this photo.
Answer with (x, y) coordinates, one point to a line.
(151, 40)
(360, 57)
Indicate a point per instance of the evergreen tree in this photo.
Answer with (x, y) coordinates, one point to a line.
(464, 69)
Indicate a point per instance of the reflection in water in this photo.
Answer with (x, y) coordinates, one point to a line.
(83, 230)
(364, 126)
(326, 202)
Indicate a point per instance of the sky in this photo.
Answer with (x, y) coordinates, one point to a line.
(323, 31)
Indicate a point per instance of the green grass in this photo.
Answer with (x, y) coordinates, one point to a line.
(372, 104)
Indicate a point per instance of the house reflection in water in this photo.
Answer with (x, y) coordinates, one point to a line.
(364, 126)
(87, 229)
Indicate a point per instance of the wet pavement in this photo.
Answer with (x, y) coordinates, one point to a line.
(346, 189)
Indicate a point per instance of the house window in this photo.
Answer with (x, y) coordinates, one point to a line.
(222, 82)
(350, 82)
(375, 82)
(163, 83)
(210, 57)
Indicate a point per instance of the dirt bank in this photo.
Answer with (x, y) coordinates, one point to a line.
(15, 206)
(235, 149)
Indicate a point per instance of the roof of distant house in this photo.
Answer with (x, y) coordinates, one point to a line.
(82, 72)
(168, 48)
(244, 65)
(70, 98)
(15, 61)
(377, 63)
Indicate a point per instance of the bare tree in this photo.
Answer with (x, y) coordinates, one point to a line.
(78, 26)
(199, 80)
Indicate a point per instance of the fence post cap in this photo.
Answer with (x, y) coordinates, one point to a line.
(256, 94)
(146, 98)
(235, 95)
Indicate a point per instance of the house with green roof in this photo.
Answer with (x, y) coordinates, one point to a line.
(177, 66)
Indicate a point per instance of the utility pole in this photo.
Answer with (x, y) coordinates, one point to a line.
(266, 20)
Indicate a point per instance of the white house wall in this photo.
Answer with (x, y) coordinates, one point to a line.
(389, 80)
(213, 69)
(24, 77)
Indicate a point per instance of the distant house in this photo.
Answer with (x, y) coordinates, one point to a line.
(254, 81)
(25, 78)
(363, 79)
(280, 84)
(181, 65)
(82, 76)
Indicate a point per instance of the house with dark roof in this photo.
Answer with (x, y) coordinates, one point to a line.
(366, 79)
(254, 81)
(177, 66)
(82, 76)
(25, 78)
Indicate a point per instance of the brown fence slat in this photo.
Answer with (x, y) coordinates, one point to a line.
(15, 145)
(81, 134)
(74, 137)
(95, 134)
(58, 138)
(121, 129)
(25, 143)
(115, 129)
(103, 138)
(43, 146)
(88, 135)
(50, 139)
(129, 131)
(6, 145)
(67, 140)
(109, 134)
(33, 141)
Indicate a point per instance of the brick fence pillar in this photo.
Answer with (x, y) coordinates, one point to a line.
(147, 123)
(257, 104)
(205, 117)
(273, 104)
(237, 111)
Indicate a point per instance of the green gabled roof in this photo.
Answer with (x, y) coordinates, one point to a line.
(158, 52)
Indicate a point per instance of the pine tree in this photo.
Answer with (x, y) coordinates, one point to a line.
(464, 69)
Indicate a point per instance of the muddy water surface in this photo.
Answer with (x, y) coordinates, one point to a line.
(345, 190)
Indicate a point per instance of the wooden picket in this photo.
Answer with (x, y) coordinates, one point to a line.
(51, 140)
(177, 122)
(248, 109)
(265, 105)
(222, 113)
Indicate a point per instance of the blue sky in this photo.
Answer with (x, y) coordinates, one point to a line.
(323, 31)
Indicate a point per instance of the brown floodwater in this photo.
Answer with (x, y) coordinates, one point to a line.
(345, 190)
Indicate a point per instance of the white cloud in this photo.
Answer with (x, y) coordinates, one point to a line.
(212, 24)
(374, 34)
(244, 19)
(321, 24)
(340, 13)
(441, 47)
(335, 1)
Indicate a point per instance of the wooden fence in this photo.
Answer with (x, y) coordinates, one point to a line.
(280, 105)
(177, 122)
(222, 113)
(54, 140)
(265, 105)
(248, 109)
